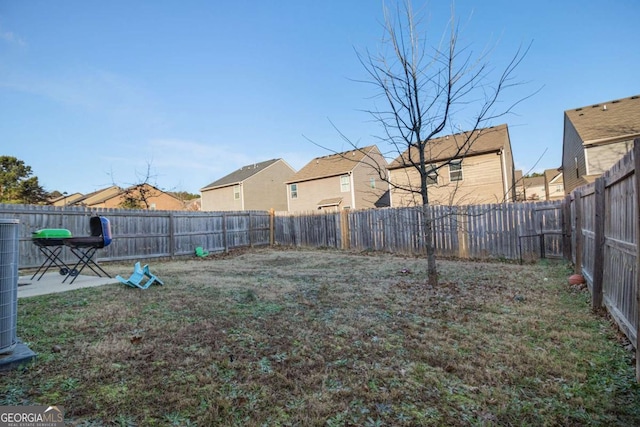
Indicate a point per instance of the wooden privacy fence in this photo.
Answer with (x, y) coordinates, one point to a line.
(142, 234)
(596, 226)
(605, 223)
(514, 231)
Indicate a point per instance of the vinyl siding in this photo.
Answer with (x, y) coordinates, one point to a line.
(508, 172)
(267, 189)
(312, 192)
(535, 192)
(601, 158)
(482, 183)
(556, 190)
(262, 191)
(221, 199)
(365, 196)
(359, 165)
(571, 149)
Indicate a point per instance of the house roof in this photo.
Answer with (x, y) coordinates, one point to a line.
(330, 202)
(98, 196)
(68, 199)
(240, 175)
(533, 181)
(552, 174)
(332, 165)
(101, 196)
(459, 145)
(607, 120)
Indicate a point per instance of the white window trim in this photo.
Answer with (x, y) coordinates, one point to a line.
(342, 184)
(432, 170)
(458, 171)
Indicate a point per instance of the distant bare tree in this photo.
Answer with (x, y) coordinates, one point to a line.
(425, 88)
(139, 194)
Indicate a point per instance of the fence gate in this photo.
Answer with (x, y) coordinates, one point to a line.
(543, 233)
(548, 220)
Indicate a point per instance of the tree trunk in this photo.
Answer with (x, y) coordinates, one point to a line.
(432, 270)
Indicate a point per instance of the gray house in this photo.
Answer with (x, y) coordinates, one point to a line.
(259, 186)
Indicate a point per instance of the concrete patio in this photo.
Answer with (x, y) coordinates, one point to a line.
(52, 283)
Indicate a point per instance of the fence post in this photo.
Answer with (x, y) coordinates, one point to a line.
(172, 235)
(250, 231)
(577, 200)
(566, 228)
(272, 226)
(598, 255)
(344, 229)
(225, 240)
(461, 219)
(636, 155)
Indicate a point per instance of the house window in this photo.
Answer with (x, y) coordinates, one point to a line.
(372, 182)
(455, 170)
(432, 175)
(236, 192)
(345, 184)
(294, 191)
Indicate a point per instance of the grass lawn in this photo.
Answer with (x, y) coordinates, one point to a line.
(327, 338)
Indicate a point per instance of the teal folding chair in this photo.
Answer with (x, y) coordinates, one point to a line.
(141, 278)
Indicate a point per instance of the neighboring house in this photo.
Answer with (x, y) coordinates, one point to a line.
(193, 205)
(518, 186)
(596, 137)
(553, 184)
(115, 197)
(66, 199)
(349, 180)
(465, 168)
(259, 186)
(98, 196)
(534, 188)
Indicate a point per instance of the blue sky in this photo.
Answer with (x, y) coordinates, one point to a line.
(94, 93)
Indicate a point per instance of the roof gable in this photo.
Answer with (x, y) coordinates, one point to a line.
(98, 196)
(533, 181)
(333, 164)
(240, 175)
(552, 175)
(109, 193)
(459, 145)
(606, 120)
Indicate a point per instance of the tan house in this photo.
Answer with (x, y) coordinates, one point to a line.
(142, 196)
(464, 168)
(553, 184)
(348, 180)
(259, 186)
(518, 186)
(596, 137)
(534, 188)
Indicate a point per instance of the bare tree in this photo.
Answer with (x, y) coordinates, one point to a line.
(425, 89)
(139, 194)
